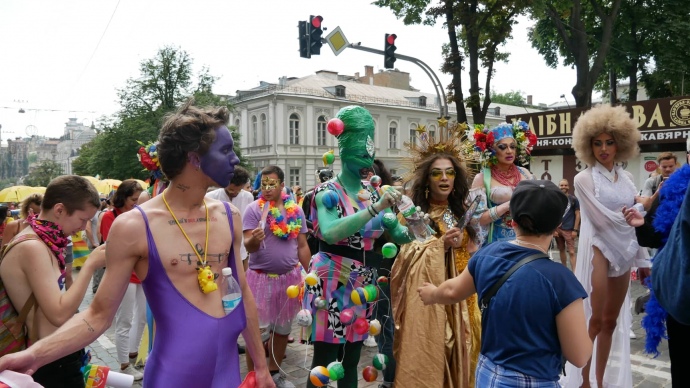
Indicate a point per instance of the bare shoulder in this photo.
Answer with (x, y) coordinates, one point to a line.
(525, 173)
(128, 225)
(32, 252)
(478, 181)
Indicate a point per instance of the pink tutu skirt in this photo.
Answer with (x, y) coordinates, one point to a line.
(269, 291)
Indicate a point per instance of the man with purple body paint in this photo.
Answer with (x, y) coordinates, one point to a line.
(196, 342)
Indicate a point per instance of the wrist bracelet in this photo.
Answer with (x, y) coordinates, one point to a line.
(372, 211)
(493, 214)
(576, 230)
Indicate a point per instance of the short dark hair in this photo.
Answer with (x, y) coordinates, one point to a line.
(72, 191)
(190, 129)
(126, 189)
(241, 177)
(273, 170)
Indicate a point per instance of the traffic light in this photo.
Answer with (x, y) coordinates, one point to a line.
(389, 51)
(315, 32)
(303, 40)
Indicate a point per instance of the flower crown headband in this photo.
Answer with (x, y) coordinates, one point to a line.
(485, 138)
(148, 157)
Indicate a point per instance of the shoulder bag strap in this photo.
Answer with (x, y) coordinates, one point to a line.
(31, 301)
(494, 289)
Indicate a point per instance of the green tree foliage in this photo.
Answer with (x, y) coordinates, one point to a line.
(164, 83)
(578, 31)
(476, 29)
(511, 98)
(43, 173)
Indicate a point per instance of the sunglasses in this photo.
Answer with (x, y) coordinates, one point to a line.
(437, 174)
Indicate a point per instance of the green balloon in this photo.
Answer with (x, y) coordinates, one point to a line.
(389, 250)
(372, 292)
(336, 371)
(330, 158)
(380, 361)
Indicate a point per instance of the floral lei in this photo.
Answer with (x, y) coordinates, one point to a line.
(484, 142)
(281, 226)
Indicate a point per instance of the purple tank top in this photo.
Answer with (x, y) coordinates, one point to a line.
(191, 348)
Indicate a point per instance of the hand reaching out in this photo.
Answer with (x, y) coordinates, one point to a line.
(633, 217)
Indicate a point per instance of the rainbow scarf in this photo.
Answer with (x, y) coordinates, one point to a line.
(284, 227)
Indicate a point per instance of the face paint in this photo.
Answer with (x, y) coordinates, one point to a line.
(269, 183)
(220, 160)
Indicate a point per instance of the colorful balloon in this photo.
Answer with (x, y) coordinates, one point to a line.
(380, 361)
(361, 326)
(374, 327)
(372, 293)
(336, 370)
(292, 292)
(328, 158)
(363, 195)
(359, 296)
(375, 181)
(382, 281)
(370, 373)
(330, 199)
(311, 279)
(389, 250)
(319, 376)
(347, 316)
(335, 126)
(320, 303)
(304, 318)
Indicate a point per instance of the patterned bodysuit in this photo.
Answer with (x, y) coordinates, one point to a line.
(192, 348)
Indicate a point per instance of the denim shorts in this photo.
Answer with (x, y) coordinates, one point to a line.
(490, 375)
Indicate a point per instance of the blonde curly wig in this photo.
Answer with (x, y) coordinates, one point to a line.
(612, 120)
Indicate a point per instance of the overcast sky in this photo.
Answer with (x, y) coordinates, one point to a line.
(61, 59)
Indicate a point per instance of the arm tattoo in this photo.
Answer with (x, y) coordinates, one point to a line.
(89, 325)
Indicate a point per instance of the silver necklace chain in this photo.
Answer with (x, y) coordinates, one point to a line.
(540, 248)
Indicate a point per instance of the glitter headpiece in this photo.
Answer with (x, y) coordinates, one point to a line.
(480, 142)
(450, 139)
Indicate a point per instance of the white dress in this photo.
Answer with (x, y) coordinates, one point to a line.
(604, 226)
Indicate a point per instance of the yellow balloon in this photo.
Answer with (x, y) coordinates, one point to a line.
(311, 279)
(292, 292)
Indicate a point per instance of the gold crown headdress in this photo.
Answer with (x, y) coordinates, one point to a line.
(450, 139)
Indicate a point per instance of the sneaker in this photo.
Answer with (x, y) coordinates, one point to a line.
(632, 334)
(282, 382)
(370, 341)
(130, 370)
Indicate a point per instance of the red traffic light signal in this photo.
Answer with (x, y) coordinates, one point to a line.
(389, 51)
(315, 33)
(316, 21)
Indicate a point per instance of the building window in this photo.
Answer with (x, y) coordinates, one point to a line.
(393, 135)
(255, 131)
(413, 134)
(263, 137)
(237, 124)
(294, 129)
(432, 131)
(340, 91)
(321, 131)
(294, 177)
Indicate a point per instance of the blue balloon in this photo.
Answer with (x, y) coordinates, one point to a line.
(330, 199)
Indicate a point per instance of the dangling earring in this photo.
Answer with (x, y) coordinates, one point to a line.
(426, 193)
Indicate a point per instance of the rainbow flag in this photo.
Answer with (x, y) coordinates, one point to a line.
(80, 250)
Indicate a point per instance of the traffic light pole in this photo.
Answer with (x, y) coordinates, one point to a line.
(440, 93)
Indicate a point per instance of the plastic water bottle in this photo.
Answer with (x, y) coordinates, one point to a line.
(415, 223)
(233, 294)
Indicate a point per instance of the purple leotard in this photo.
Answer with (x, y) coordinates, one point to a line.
(191, 348)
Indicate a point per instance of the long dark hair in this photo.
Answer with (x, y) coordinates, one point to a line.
(3, 213)
(381, 170)
(457, 197)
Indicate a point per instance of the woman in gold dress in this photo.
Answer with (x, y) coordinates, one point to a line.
(436, 346)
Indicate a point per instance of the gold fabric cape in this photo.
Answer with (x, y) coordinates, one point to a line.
(437, 345)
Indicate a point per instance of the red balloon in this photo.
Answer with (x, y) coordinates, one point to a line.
(347, 316)
(335, 127)
(361, 326)
(370, 373)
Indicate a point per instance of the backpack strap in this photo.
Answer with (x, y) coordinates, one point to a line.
(31, 301)
(484, 303)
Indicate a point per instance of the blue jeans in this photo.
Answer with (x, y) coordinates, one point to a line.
(385, 340)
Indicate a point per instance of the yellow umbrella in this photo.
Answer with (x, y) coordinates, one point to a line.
(94, 181)
(107, 185)
(143, 184)
(17, 193)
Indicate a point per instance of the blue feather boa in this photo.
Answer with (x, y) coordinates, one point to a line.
(670, 201)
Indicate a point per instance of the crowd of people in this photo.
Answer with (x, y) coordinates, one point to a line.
(450, 270)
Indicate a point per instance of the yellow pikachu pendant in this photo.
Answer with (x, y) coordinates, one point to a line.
(207, 279)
